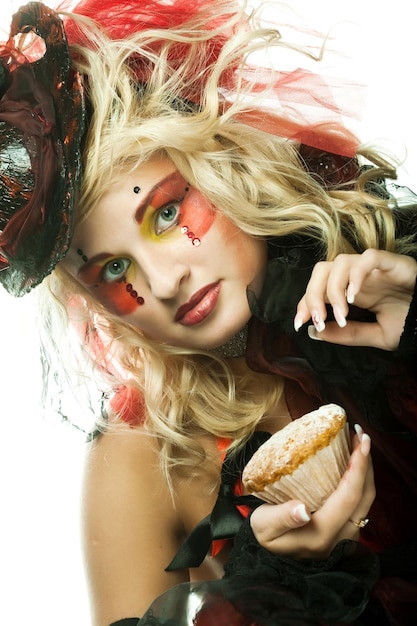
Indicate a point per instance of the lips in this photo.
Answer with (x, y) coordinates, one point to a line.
(199, 306)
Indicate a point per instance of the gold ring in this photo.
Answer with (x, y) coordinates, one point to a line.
(362, 522)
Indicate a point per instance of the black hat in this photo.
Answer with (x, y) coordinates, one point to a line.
(42, 117)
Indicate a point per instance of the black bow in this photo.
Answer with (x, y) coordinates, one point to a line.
(225, 520)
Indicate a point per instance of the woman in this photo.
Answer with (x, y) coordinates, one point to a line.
(200, 220)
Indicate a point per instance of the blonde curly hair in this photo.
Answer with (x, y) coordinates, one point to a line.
(255, 178)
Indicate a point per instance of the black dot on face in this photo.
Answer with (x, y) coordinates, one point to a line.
(82, 255)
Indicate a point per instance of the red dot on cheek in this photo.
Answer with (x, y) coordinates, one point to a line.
(118, 298)
(134, 294)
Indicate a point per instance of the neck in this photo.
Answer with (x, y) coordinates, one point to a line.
(235, 346)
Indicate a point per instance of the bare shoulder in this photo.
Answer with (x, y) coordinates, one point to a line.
(131, 526)
(128, 458)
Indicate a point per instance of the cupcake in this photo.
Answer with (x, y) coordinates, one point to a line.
(305, 460)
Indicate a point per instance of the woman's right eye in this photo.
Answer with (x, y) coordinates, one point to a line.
(115, 270)
(167, 217)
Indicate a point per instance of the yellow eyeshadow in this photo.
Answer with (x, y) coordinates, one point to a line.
(147, 226)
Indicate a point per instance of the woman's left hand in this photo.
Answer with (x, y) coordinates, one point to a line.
(379, 281)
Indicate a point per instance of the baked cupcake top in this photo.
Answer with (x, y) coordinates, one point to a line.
(293, 445)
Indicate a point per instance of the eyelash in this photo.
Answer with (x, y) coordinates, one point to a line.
(109, 264)
(173, 221)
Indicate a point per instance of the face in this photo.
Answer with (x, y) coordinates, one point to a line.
(156, 253)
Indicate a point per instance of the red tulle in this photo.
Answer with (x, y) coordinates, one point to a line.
(128, 403)
(305, 109)
(217, 545)
(121, 18)
(303, 106)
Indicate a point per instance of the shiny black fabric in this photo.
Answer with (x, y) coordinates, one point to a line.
(234, 602)
(333, 589)
(261, 589)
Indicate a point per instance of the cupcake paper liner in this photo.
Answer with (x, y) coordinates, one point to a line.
(315, 479)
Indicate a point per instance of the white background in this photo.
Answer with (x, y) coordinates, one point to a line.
(41, 572)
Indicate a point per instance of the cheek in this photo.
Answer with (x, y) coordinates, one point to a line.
(247, 255)
(119, 298)
(197, 215)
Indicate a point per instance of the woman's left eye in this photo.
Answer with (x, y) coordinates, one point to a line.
(167, 217)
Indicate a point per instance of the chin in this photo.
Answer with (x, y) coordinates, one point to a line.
(234, 340)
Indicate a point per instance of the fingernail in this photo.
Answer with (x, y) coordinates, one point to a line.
(297, 323)
(312, 333)
(365, 444)
(350, 294)
(300, 513)
(317, 321)
(358, 431)
(338, 315)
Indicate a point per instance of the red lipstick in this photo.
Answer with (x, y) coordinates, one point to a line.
(199, 306)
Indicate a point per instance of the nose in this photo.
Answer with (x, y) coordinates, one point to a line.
(164, 273)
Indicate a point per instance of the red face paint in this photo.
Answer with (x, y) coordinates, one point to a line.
(117, 296)
(196, 212)
(197, 216)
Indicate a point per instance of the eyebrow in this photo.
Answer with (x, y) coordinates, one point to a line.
(97, 258)
(147, 200)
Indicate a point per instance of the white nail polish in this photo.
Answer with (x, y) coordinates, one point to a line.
(312, 333)
(297, 323)
(300, 513)
(318, 322)
(358, 431)
(350, 295)
(339, 317)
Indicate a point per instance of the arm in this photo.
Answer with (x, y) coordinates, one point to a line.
(131, 530)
